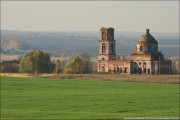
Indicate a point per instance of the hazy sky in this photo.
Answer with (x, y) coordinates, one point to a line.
(158, 16)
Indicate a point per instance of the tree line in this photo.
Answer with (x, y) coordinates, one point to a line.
(38, 61)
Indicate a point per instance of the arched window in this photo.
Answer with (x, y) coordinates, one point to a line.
(121, 70)
(112, 37)
(140, 48)
(125, 70)
(103, 34)
(112, 48)
(103, 48)
(102, 69)
(114, 69)
(103, 59)
(118, 70)
(149, 48)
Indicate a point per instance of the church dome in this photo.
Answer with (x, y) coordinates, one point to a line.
(147, 38)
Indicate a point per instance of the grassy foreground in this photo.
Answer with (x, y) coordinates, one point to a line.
(45, 98)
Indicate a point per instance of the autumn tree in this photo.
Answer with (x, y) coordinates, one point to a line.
(79, 65)
(86, 62)
(74, 66)
(35, 61)
(10, 66)
(57, 66)
(94, 67)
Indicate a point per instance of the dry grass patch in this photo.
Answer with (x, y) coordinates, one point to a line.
(109, 77)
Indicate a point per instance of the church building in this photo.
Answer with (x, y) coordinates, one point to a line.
(145, 60)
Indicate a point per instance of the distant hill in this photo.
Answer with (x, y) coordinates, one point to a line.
(12, 44)
(69, 42)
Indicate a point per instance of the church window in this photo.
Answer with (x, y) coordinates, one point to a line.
(103, 48)
(112, 36)
(140, 48)
(103, 69)
(125, 70)
(121, 70)
(103, 34)
(144, 71)
(112, 48)
(149, 48)
(103, 59)
(148, 71)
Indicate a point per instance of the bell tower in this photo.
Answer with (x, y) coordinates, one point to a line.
(106, 49)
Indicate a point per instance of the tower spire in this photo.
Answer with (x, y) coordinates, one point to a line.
(147, 31)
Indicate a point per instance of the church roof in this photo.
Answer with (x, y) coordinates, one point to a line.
(147, 38)
(104, 28)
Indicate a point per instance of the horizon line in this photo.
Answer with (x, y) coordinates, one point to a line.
(80, 31)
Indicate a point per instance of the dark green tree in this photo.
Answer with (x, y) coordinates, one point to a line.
(35, 61)
(15, 67)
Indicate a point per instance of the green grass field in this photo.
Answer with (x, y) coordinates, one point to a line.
(45, 98)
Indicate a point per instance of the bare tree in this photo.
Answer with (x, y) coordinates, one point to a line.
(86, 62)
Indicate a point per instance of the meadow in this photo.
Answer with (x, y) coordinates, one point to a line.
(54, 98)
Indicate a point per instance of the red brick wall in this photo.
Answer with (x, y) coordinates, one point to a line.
(165, 67)
(140, 57)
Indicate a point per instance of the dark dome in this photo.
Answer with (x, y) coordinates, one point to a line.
(147, 38)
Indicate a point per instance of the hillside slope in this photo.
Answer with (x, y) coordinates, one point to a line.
(11, 44)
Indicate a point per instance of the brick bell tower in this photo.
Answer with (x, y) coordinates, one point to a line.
(106, 50)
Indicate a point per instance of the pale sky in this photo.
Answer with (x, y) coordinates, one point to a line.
(158, 16)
